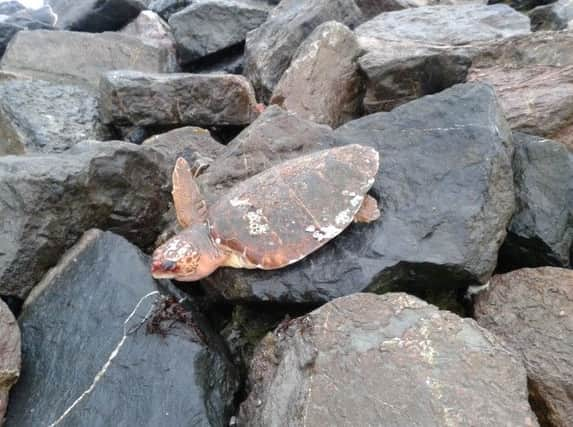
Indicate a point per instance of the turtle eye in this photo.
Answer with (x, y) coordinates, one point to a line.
(168, 265)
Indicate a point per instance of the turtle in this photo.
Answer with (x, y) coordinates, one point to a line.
(272, 219)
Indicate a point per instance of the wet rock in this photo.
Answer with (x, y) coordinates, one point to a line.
(323, 83)
(95, 16)
(532, 310)
(101, 326)
(81, 58)
(209, 26)
(151, 30)
(9, 355)
(39, 116)
(552, 17)
(166, 8)
(541, 230)
(49, 200)
(385, 360)
(149, 99)
(537, 99)
(445, 189)
(270, 48)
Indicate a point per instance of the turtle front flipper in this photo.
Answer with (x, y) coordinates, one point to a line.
(190, 206)
(368, 211)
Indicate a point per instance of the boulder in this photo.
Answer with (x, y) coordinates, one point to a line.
(105, 344)
(537, 99)
(532, 310)
(166, 8)
(270, 48)
(552, 17)
(151, 30)
(209, 26)
(23, 20)
(150, 99)
(9, 355)
(385, 360)
(39, 116)
(49, 200)
(81, 58)
(95, 16)
(10, 7)
(445, 189)
(522, 5)
(541, 230)
(34, 19)
(323, 83)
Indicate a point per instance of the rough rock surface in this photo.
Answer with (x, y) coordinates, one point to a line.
(47, 201)
(536, 99)
(96, 352)
(532, 310)
(151, 30)
(385, 360)
(323, 83)
(555, 16)
(270, 48)
(9, 355)
(445, 189)
(209, 26)
(149, 99)
(74, 57)
(166, 8)
(541, 230)
(23, 20)
(39, 116)
(95, 16)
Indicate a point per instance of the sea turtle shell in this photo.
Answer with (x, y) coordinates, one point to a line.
(281, 215)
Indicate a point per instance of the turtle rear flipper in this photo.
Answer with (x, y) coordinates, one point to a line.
(368, 211)
(190, 206)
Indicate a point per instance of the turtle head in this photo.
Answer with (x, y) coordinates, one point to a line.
(189, 256)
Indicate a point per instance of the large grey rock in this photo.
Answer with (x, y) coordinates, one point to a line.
(9, 355)
(49, 200)
(104, 344)
(541, 230)
(270, 48)
(445, 189)
(81, 58)
(555, 16)
(209, 26)
(95, 15)
(39, 116)
(532, 310)
(390, 360)
(23, 20)
(149, 99)
(166, 8)
(10, 7)
(151, 30)
(323, 83)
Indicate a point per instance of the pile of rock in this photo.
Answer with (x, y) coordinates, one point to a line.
(470, 107)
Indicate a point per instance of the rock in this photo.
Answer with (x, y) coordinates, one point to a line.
(552, 17)
(228, 61)
(537, 99)
(150, 99)
(445, 189)
(209, 26)
(35, 19)
(10, 7)
(522, 5)
(49, 200)
(385, 360)
(151, 30)
(95, 16)
(81, 58)
(541, 230)
(323, 82)
(9, 355)
(99, 328)
(166, 8)
(532, 310)
(270, 48)
(19, 21)
(39, 116)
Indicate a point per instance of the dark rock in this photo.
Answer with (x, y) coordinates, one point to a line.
(209, 26)
(541, 230)
(99, 329)
(532, 310)
(522, 5)
(270, 48)
(39, 116)
(166, 8)
(151, 30)
(227, 61)
(555, 16)
(7, 32)
(445, 189)
(9, 355)
(95, 16)
(81, 58)
(149, 99)
(10, 7)
(385, 360)
(323, 83)
(49, 200)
